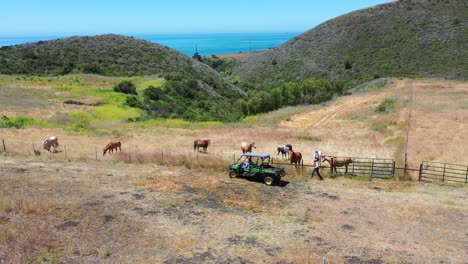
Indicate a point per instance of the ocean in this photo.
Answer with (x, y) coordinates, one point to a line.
(205, 44)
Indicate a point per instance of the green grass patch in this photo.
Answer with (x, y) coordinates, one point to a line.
(382, 124)
(22, 122)
(309, 138)
(177, 123)
(79, 121)
(107, 96)
(141, 87)
(395, 142)
(375, 87)
(116, 113)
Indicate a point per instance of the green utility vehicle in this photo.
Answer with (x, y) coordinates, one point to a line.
(256, 165)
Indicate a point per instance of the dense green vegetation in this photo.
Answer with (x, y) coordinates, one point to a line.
(181, 97)
(222, 65)
(264, 98)
(402, 38)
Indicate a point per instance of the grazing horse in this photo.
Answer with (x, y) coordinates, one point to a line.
(284, 150)
(111, 146)
(247, 147)
(295, 157)
(204, 143)
(338, 162)
(50, 142)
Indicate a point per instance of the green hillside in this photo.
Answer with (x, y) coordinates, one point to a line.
(426, 38)
(192, 91)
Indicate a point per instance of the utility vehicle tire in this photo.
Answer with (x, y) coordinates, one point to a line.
(232, 174)
(269, 180)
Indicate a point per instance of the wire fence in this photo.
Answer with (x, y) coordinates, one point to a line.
(428, 171)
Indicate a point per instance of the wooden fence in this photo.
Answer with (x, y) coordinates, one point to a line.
(443, 172)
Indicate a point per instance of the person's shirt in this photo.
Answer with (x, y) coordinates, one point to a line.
(316, 163)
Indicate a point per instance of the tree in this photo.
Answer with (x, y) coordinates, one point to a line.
(125, 86)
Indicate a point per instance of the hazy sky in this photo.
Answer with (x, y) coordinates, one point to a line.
(58, 17)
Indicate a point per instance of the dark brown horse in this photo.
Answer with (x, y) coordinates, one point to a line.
(111, 146)
(201, 143)
(295, 157)
(338, 162)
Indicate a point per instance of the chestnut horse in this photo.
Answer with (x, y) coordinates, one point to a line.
(204, 143)
(338, 162)
(111, 146)
(296, 157)
(247, 147)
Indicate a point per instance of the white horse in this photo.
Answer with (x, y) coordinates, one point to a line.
(51, 142)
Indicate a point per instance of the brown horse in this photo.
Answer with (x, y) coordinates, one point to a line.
(338, 162)
(111, 146)
(203, 143)
(247, 147)
(295, 157)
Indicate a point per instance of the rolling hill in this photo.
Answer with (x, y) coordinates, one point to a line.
(116, 55)
(427, 38)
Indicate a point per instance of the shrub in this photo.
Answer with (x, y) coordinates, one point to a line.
(387, 106)
(125, 86)
(15, 122)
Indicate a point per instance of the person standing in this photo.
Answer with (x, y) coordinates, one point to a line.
(316, 169)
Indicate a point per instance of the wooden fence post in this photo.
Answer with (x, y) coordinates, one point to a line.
(372, 169)
(466, 177)
(4, 148)
(393, 169)
(331, 165)
(302, 165)
(443, 173)
(95, 150)
(129, 156)
(420, 172)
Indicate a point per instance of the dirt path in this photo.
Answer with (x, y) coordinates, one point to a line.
(322, 117)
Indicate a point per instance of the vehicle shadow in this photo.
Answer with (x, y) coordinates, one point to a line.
(280, 183)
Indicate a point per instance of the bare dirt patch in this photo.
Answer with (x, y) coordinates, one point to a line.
(102, 213)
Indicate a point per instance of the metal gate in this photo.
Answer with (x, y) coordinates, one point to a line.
(443, 172)
(372, 167)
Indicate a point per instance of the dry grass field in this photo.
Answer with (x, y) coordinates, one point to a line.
(159, 202)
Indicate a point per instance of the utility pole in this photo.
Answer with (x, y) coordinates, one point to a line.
(410, 110)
